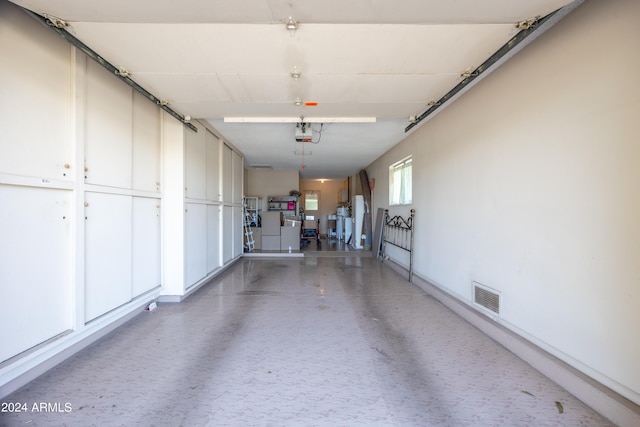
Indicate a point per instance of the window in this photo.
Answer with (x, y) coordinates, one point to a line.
(311, 201)
(400, 182)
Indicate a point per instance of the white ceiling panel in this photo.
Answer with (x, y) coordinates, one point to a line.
(269, 11)
(379, 88)
(248, 49)
(230, 58)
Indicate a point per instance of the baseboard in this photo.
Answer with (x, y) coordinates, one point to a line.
(274, 254)
(602, 399)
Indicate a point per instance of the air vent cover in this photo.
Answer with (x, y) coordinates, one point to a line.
(486, 297)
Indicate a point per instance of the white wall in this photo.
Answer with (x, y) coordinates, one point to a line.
(529, 184)
(263, 183)
(328, 198)
(94, 182)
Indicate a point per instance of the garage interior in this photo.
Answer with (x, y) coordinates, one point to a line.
(125, 165)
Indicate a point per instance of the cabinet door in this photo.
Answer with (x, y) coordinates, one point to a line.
(146, 144)
(195, 243)
(35, 117)
(238, 231)
(196, 164)
(271, 223)
(107, 253)
(146, 244)
(238, 174)
(108, 137)
(35, 266)
(227, 174)
(227, 234)
(290, 238)
(214, 191)
(213, 237)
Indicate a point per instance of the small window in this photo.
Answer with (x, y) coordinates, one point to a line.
(400, 182)
(311, 201)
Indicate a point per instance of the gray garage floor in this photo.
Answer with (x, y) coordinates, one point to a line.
(305, 341)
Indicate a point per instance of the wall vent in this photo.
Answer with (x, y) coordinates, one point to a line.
(486, 297)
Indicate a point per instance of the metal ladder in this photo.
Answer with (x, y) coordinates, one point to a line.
(249, 242)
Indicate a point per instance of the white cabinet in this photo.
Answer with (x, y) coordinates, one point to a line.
(145, 245)
(196, 164)
(232, 220)
(107, 252)
(271, 227)
(80, 196)
(290, 238)
(195, 243)
(271, 223)
(122, 250)
(227, 174)
(108, 136)
(122, 234)
(238, 224)
(146, 144)
(228, 233)
(238, 174)
(213, 237)
(35, 117)
(214, 192)
(35, 266)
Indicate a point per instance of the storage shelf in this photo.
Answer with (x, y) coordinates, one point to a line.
(282, 204)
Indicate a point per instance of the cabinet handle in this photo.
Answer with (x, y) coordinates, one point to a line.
(67, 165)
(86, 204)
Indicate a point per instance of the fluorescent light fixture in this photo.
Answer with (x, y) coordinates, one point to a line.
(299, 120)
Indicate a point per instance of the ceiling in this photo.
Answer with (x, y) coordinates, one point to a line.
(378, 59)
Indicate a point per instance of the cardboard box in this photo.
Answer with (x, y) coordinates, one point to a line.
(292, 223)
(310, 224)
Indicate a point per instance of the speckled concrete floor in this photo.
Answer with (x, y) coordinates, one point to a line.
(312, 341)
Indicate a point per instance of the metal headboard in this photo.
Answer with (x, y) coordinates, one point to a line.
(399, 232)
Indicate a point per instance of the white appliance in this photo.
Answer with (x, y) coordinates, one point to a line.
(331, 228)
(348, 230)
(357, 210)
(344, 225)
